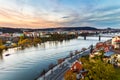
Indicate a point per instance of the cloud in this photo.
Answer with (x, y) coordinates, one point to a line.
(53, 13)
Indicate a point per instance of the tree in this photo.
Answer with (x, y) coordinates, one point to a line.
(91, 48)
(69, 75)
(51, 66)
(2, 47)
(21, 38)
(1, 43)
(43, 73)
(60, 61)
(24, 42)
(76, 52)
(99, 70)
(36, 40)
(71, 54)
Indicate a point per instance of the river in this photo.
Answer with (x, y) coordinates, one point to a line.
(28, 63)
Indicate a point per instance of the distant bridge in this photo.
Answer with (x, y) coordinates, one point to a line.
(110, 35)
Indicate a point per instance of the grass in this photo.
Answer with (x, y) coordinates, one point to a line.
(117, 70)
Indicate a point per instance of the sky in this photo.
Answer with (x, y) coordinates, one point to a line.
(59, 13)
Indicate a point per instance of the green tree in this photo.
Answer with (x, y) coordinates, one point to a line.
(99, 70)
(36, 40)
(24, 42)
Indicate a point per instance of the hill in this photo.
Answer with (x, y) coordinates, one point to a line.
(20, 30)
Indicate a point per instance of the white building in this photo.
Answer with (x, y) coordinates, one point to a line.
(116, 42)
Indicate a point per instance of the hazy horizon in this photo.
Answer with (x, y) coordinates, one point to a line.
(59, 13)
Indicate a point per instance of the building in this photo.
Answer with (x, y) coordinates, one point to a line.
(79, 70)
(112, 58)
(17, 34)
(103, 46)
(109, 54)
(76, 66)
(116, 42)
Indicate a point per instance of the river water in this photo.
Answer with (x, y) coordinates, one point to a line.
(28, 63)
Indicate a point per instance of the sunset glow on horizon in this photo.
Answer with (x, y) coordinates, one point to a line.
(59, 13)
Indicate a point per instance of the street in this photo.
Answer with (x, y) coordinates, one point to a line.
(58, 74)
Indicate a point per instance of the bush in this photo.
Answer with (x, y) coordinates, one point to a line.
(2, 48)
(69, 75)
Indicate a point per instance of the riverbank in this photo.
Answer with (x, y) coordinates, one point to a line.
(55, 72)
(25, 42)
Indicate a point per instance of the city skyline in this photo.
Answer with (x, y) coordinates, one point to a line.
(59, 13)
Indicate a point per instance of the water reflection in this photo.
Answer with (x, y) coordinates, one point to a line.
(50, 44)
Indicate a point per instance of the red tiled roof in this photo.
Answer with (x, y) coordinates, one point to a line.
(117, 41)
(77, 66)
